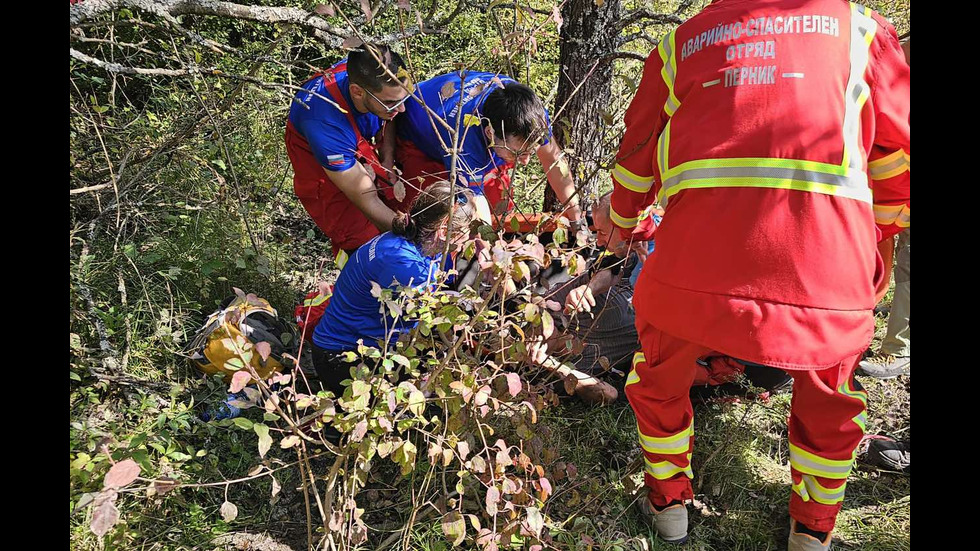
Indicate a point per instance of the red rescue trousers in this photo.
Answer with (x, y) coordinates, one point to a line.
(826, 424)
(346, 226)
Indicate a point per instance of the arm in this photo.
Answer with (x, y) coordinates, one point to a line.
(606, 273)
(357, 185)
(891, 91)
(386, 149)
(559, 178)
(635, 183)
(890, 161)
(334, 144)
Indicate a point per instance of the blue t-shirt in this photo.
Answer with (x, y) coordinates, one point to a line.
(326, 128)
(353, 313)
(442, 95)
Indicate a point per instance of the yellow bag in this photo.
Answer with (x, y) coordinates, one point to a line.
(227, 342)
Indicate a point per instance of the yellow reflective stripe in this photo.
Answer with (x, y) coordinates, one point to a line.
(317, 300)
(667, 445)
(620, 220)
(669, 72)
(863, 195)
(808, 488)
(890, 165)
(845, 389)
(861, 420)
(857, 91)
(886, 215)
(905, 218)
(663, 147)
(633, 376)
(631, 181)
(763, 172)
(665, 469)
(763, 162)
(341, 259)
(800, 489)
(808, 463)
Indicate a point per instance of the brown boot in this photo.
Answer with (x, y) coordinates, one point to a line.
(800, 541)
(670, 522)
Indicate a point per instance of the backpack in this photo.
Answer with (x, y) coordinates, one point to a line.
(227, 340)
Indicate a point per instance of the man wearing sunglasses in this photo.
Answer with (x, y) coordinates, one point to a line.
(332, 132)
(501, 123)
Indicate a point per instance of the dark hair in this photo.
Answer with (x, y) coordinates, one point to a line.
(364, 70)
(515, 110)
(430, 208)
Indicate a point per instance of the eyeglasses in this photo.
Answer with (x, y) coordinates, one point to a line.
(391, 105)
(530, 146)
(526, 150)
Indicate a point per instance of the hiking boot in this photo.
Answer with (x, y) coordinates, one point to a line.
(889, 454)
(670, 522)
(802, 538)
(885, 366)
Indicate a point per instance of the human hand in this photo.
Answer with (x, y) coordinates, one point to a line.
(579, 300)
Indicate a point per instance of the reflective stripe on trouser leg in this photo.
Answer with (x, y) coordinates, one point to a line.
(826, 425)
(659, 395)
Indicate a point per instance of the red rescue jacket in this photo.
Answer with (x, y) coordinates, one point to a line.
(752, 126)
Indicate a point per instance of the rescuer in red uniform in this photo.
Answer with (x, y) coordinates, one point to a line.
(752, 127)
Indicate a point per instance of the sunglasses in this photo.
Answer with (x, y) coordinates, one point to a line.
(391, 105)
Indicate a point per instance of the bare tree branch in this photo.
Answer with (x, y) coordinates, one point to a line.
(512, 5)
(626, 39)
(333, 36)
(646, 16)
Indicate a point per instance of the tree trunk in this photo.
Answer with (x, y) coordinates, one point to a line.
(588, 33)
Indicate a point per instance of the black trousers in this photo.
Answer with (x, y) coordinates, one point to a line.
(330, 368)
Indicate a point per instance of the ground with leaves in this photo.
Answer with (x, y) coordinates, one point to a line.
(591, 455)
(181, 191)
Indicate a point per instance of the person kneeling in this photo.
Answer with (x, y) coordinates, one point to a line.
(409, 255)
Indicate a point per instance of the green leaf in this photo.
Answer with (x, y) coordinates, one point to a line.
(405, 456)
(416, 402)
(265, 441)
(559, 236)
(243, 423)
(454, 526)
(547, 324)
(402, 360)
(359, 388)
